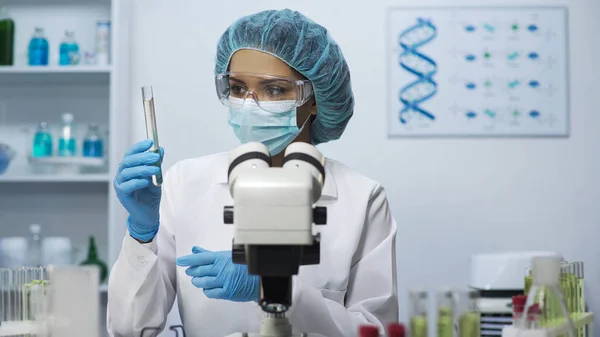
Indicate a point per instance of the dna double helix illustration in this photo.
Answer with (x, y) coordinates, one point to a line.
(420, 65)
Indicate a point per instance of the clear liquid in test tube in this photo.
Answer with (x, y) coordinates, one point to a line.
(151, 129)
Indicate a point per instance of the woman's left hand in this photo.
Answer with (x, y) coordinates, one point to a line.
(219, 278)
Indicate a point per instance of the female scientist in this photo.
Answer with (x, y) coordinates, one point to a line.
(285, 79)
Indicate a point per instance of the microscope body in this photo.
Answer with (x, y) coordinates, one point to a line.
(273, 214)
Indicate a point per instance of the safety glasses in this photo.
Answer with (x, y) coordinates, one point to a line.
(271, 93)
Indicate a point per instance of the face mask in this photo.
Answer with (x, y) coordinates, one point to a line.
(275, 130)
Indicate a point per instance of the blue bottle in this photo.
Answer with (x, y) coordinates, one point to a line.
(42, 142)
(69, 50)
(93, 146)
(66, 142)
(38, 48)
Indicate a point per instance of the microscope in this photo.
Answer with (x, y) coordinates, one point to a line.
(273, 214)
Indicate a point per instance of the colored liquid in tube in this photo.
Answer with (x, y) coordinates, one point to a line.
(151, 129)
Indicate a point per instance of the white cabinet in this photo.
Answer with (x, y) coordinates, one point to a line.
(69, 203)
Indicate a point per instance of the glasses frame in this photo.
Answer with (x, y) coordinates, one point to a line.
(304, 89)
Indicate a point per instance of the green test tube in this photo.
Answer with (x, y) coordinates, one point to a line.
(418, 313)
(445, 311)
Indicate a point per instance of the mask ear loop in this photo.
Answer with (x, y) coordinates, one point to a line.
(305, 121)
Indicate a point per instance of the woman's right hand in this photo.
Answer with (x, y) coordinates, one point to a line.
(133, 184)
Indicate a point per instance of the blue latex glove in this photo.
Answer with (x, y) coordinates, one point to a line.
(219, 277)
(133, 184)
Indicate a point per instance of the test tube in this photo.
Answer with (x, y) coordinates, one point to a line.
(151, 129)
(418, 313)
(445, 319)
(469, 318)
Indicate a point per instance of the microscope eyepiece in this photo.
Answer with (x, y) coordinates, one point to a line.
(251, 154)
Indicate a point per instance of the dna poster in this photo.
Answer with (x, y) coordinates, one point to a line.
(478, 72)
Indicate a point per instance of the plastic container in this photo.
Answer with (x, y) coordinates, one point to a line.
(57, 251)
(13, 252)
(7, 154)
(7, 39)
(38, 50)
(103, 38)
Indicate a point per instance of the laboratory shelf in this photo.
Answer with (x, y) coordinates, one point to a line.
(55, 178)
(54, 74)
(55, 69)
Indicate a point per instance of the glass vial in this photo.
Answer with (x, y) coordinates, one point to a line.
(469, 317)
(42, 141)
(418, 313)
(445, 311)
(93, 146)
(151, 128)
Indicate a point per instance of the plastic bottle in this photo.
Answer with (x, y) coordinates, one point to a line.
(69, 50)
(42, 142)
(93, 260)
(7, 39)
(93, 146)
(38, 48)
(35, 246)
(66, 142)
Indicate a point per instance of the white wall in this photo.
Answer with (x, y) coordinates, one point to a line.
(451, 197)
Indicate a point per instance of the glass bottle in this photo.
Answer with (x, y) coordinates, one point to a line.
(418, 313)
(93, 260)
(35, 246)
(69, 50)
(66, 142)
(38, 48)
(445, 309)
(93, 146)
(544, 292)
(7, 39)
(42, 142)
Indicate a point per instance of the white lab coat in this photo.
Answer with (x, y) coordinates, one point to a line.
(355, 282)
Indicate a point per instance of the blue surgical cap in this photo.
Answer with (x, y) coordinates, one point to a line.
(305, 46)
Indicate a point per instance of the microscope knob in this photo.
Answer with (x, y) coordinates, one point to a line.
(228, 215)
(320, 215)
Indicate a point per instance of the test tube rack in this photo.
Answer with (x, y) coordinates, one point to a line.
(64, 303)
(585, 320)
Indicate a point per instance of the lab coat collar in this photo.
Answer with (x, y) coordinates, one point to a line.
(329, 191)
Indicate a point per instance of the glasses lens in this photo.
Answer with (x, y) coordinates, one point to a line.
(271, 93)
